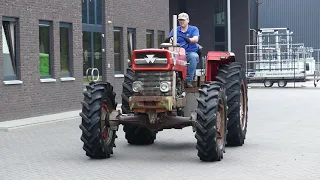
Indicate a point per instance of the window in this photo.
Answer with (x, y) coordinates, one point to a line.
(219, 47)
(150, 39)
(65, 49)
(220, 29)
(219, 12)
(220, 34)
(183, 6)
(10, 48)
(220, 18)
(92, 11)
(161, 38)
(85, 11)
(45, 48)
(131, 38)
(118, 63)
(307, 67)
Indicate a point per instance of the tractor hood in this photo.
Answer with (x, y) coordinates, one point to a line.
(152, 59)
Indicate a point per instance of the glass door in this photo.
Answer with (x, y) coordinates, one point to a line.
(92, 54)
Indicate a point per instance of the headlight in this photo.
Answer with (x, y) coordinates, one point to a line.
(137, 86)
(165, 86)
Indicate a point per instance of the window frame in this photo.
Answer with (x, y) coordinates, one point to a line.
(121, 71)
(16, 47)
(161, 33)
(149, 31)
(47, 23)
(220, 9)
(70, 49)
(95, 14)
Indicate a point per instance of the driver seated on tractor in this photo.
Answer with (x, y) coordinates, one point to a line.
(191, 36)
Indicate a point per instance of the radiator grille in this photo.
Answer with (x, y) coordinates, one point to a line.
(151, 82)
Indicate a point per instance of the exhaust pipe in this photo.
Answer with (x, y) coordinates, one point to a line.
(175, 33)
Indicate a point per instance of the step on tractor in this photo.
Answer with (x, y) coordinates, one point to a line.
(155, 97)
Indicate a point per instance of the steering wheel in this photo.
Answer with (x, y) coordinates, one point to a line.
(184, 38)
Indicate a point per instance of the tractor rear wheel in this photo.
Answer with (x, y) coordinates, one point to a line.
(97, 136)
(211, 123)
(237, 98)
(134, 134)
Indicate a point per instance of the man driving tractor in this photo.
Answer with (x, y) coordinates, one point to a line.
(191, 37)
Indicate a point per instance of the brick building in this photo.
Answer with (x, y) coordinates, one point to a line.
(47, 47)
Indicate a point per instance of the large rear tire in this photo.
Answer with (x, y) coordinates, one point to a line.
(97, 136)
(211, 122)
(134, 134)
(237, 98)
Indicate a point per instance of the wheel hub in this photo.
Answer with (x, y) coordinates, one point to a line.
(243, 107)
(220, 124)
(105, 128)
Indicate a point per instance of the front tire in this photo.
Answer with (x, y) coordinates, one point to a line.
(211, 122)
(134, 134)
(97, 136)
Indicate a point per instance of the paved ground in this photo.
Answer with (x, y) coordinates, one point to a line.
(283, 142)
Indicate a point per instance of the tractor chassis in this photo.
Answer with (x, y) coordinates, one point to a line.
(163, 121)
(147, 117)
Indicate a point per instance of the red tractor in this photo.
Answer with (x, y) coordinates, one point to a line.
(154, 98)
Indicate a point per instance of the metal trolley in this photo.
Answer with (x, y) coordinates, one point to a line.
(274, 58)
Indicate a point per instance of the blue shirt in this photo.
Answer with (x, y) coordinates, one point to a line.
(191, 32)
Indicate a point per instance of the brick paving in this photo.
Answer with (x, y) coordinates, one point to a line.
(283, 142)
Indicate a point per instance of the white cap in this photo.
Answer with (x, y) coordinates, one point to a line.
(183, 16)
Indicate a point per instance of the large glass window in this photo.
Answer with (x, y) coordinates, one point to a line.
(220, 18)
(220, 30)
(92, 11)
(220, 47)
(10, 48)
(220, 34)
(161, 38)
(131, 40)
(93, 37)
(150, 39)
(219, 12)
(99, 11)
(45, 48)
(65, 49)
(97, 46)
(87, 60)
(118, 63)
(92, 54)
(85, 11)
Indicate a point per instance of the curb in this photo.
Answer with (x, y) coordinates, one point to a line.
(27, 122)
(45, 119)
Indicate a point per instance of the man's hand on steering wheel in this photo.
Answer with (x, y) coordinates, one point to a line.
(187, 40)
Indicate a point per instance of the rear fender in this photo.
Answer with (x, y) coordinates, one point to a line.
(213, 61)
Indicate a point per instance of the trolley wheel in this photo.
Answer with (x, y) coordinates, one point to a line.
(282, 83)
(268, 83)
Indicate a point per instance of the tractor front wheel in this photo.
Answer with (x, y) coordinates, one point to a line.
(211, 123)
(97, 136)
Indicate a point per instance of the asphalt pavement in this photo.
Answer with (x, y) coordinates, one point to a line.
(283, 142)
